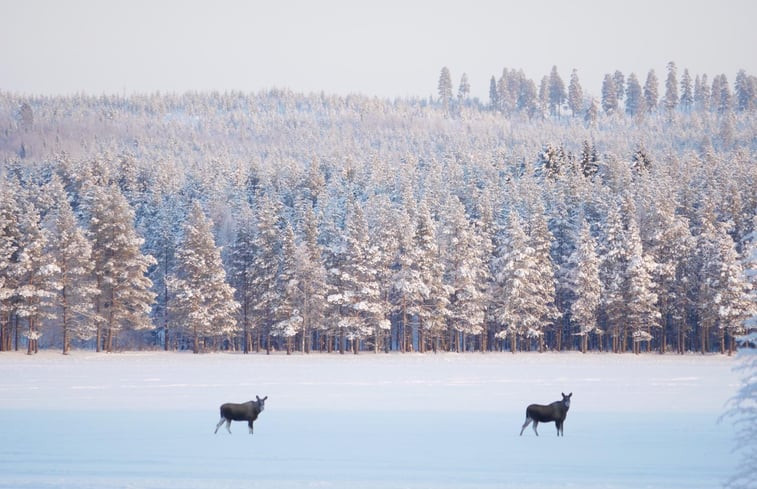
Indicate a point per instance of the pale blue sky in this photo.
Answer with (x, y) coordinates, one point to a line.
(385, 48)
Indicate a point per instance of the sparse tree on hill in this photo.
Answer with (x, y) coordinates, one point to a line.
(651, 93)
(575, 94)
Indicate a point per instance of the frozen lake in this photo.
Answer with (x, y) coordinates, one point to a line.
(369, 421)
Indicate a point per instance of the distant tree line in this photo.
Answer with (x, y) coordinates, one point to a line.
(513, 93)
(291, 222)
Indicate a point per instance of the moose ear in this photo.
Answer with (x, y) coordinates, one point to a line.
(266, 397)
(570, 394)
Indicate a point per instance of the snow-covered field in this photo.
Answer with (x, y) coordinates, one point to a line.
(146, 420)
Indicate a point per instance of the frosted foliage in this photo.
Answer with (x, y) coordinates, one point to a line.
(384, 224)
(203, 302)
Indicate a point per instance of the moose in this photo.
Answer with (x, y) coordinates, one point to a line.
(246, 411)
(538, 413)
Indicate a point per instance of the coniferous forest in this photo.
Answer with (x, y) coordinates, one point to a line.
(542, 218)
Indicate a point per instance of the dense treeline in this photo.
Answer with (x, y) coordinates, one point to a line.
(282, 221)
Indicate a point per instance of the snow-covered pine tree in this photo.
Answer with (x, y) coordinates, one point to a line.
(359, 295)
(73, 255)
(687, 91)
(433, 314)
(203, 304)
(640, 294)
(265, 267)
(634, 96)
(670, 100)
(557, 93)
(543, 284)
(575, 94)
(287, 318)
(10, 238)
(36, 275)
(732, 299)
(242, 277)
(409, 290)
(125, 296)
(445, 89)
(612, 274)
(514, 269)
(651, 92)
(465, 276)
(381, 218)
(587, 288)
(311, 280)
(609, 95)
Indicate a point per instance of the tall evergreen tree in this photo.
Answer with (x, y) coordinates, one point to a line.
(76, 279)
(288, 320)
(124, 299)
(445, 89)
(463, 90)
(465, 276)
(634, 96)
(311, 280)
(651, 93)
(10, 240)
(670, 101)
(493, 94)
(265, 268)
(746, 91)
(575, 94)
(36, 276)
(702, 93)
(557, 93)
(517, 306)
(609, 95)
(620, 83)
(687, 91)
(584, 278)
(640, 294)
(203, 302)
(242, 275)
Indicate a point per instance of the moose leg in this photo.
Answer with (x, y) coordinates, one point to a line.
(228, 425)
(250, 425)
(536, 423)
(219, 424)
(528, 421)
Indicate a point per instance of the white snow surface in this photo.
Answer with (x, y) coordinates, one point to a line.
(146, 420)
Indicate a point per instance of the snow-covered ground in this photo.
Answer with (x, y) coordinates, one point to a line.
(146, 420)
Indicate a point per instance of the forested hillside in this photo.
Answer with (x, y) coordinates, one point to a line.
(540, 219)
